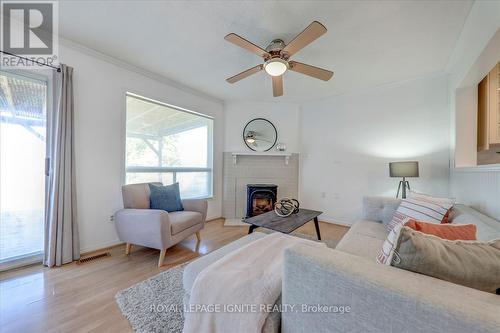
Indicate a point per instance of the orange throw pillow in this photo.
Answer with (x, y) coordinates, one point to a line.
(445, 231)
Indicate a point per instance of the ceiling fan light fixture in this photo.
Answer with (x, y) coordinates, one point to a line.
(250, 137)
(277, 59)
(276, 67)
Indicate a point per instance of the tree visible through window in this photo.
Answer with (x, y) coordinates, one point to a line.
(167, 144)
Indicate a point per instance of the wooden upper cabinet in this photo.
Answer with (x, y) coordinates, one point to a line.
(482, 115)
(494, 104)
(488, 110)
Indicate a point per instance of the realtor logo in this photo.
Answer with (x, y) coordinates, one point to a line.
(29, 29)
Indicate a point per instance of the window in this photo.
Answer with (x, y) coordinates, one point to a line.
(168, 144)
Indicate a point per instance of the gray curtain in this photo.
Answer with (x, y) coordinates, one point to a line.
(61, 231)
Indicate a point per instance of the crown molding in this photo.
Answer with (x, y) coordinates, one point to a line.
(138, 70)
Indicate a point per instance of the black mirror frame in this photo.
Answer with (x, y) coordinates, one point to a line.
(275, 132)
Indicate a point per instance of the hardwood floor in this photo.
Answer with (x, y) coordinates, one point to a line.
(80, 298)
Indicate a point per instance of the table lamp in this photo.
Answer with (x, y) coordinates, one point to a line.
(403, 169)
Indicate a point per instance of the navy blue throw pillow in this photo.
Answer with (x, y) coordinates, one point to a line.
(165, 197)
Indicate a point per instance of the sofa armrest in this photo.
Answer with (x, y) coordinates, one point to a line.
(146, 227)
(196, 205)
(381, 298)
(379, 209)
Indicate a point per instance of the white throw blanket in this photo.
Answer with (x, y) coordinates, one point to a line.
(246, 279)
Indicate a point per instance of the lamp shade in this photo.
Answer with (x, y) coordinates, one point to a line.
(403, 169)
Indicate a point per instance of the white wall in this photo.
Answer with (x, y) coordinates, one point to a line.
(476, 51)
(348, 141)
(284, 116)
(100, 87)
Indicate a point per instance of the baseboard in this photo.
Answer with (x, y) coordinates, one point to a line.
(215, 219)
(101, 247)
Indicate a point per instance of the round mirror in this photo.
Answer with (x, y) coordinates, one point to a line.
(260, 134)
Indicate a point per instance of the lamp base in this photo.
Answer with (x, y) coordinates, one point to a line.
(403, 185)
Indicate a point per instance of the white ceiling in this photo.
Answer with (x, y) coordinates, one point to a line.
(368, 43)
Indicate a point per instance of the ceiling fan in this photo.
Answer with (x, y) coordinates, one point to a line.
(277, 57)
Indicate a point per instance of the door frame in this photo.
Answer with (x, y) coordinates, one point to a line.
(46, 75)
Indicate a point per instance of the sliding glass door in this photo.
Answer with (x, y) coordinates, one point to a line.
(23, 133)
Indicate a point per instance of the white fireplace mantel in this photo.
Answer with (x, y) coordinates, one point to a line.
(255, 153)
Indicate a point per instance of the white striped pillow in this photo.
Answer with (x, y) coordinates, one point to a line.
(421, 209)
(387, 252)
(423, 196)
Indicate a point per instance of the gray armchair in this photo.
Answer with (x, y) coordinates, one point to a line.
(138, 224)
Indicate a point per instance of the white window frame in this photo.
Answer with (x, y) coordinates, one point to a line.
(173, 170)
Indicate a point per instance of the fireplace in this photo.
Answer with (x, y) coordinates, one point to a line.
(260, 198)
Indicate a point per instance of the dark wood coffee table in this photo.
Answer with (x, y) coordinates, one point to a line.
(286, 225)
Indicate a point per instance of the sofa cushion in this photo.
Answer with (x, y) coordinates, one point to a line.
(379, 209)
(364, 239)
(386, 253)
(444, 259)
(487, 228)
(180, 221)
(194, 268)
(430, 198)
(165, 197)
(422, 210)
(446, 231)
(370, 228)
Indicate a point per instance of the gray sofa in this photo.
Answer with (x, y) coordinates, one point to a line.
(381, 298)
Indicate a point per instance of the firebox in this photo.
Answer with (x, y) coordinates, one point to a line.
(260, 198)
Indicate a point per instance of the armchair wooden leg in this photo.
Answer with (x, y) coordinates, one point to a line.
(162, 257)
(128, 246)
(198, 236)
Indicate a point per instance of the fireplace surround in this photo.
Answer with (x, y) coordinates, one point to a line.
(257, 168)
(260, 198)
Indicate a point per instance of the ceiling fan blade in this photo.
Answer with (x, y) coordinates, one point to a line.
(245, 74)
(316, 72)
(311, 33)
(249, 46)
(277, 85)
